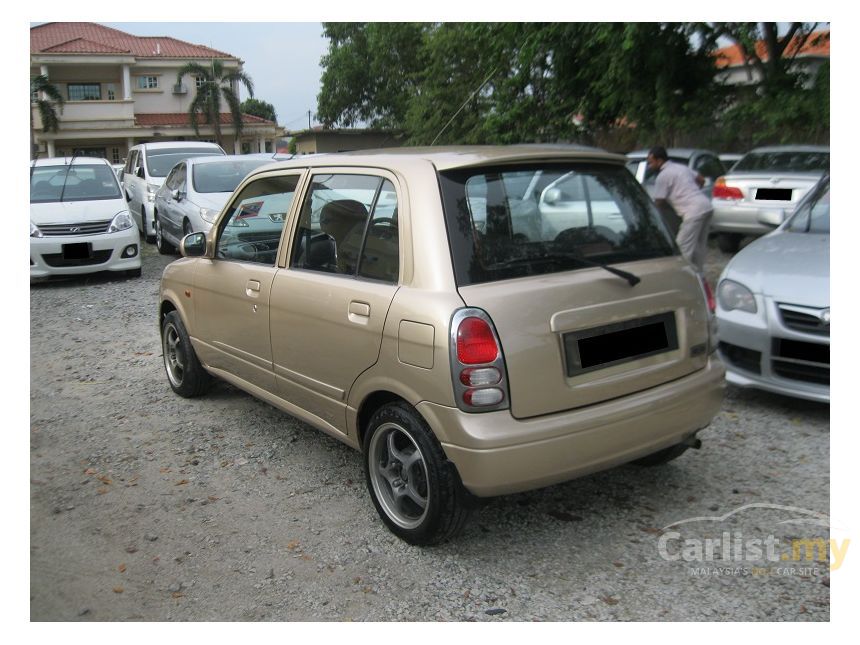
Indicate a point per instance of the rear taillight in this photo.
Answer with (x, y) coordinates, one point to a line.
(477, 363)
(709, 294)
(722, 191)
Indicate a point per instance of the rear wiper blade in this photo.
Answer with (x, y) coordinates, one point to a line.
(631, 279)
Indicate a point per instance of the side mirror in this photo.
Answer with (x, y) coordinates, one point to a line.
(177, 195)
(193, 245)
(552, 196)
(771, 217)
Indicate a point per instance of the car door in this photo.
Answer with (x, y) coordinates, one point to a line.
(130, 185)
(175, 202)
(232, 288)
(330, 302)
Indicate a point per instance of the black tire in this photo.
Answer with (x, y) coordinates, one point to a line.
(134, 273)
(663, 456)
(164, 247)
(729, 242)
(184, 372)
(429, 477)
(149, 237)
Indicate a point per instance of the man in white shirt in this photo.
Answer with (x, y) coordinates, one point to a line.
(680, 187)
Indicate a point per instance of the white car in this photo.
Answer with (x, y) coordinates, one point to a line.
(146, 167)
(79, 219)
(194, 193)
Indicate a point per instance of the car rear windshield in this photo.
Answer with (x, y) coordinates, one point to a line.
(222, 176)
(509, 222)
(784, 161)
(73, 184)
(160, 162)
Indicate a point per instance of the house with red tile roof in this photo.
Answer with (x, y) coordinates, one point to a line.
(807, 56)
(121, 90)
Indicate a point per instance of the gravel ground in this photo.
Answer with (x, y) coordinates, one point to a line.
(147, 506)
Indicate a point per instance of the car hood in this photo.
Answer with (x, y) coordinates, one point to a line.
(788, 267)
(76, 212)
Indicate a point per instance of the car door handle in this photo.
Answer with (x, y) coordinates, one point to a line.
(359, 312)
(252, 289)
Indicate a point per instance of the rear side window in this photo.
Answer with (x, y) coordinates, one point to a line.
(348, 226)
(568, 218)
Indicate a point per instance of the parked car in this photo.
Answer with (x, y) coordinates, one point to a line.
(146, 167)
(194, 192)
(762, 189)
(405, 313)
(703, 162)
(118, 169)
(79, 220)
(773, 305)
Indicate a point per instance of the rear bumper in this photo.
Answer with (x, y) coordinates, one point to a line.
(737, 217)
(497, 454)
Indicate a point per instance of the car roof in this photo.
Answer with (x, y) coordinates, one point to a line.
(64, 161)
(450, 157)
(802, 148)
(684, 153)
(155, 145)
(222, 158)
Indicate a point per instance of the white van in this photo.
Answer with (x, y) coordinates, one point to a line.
(146, 167)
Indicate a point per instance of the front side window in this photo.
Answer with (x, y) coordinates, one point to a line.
(252, 226)
(72, 184)
(84, 91)
(160, 161)
(348, 226)
(147, 82)
(569, 217)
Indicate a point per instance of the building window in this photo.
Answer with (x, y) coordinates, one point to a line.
(114, 154)
(147, 82)
(198, 81)
(85, 91)
(110, 88)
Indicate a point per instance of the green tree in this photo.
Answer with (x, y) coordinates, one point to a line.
(47, 99)
(259, 108)
(216, 83)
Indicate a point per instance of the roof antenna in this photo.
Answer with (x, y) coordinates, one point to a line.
(480, 87)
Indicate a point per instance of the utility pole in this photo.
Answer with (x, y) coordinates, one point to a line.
(309, 119)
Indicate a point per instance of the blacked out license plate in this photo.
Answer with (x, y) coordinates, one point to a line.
(77, 251)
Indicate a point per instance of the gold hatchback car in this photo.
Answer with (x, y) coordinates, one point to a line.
(476, 321)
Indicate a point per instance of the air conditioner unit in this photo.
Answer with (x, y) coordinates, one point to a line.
(179, 89)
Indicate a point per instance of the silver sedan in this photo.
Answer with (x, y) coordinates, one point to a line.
(773, 306)
(194, 193)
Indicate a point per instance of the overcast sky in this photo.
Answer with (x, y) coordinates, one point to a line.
(282, 58)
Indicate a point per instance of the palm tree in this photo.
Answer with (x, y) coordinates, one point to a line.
(216, 83)
(47, 97)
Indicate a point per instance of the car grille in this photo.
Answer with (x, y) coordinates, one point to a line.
(57, 259)
(801, 361)
(741, 357)
(804, 319)
(85, 228)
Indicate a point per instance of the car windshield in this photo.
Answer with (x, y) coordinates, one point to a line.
(160, 162)
(784, 161)
(222, 176)
(82, 183)
(530, 220)
(813, 215)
